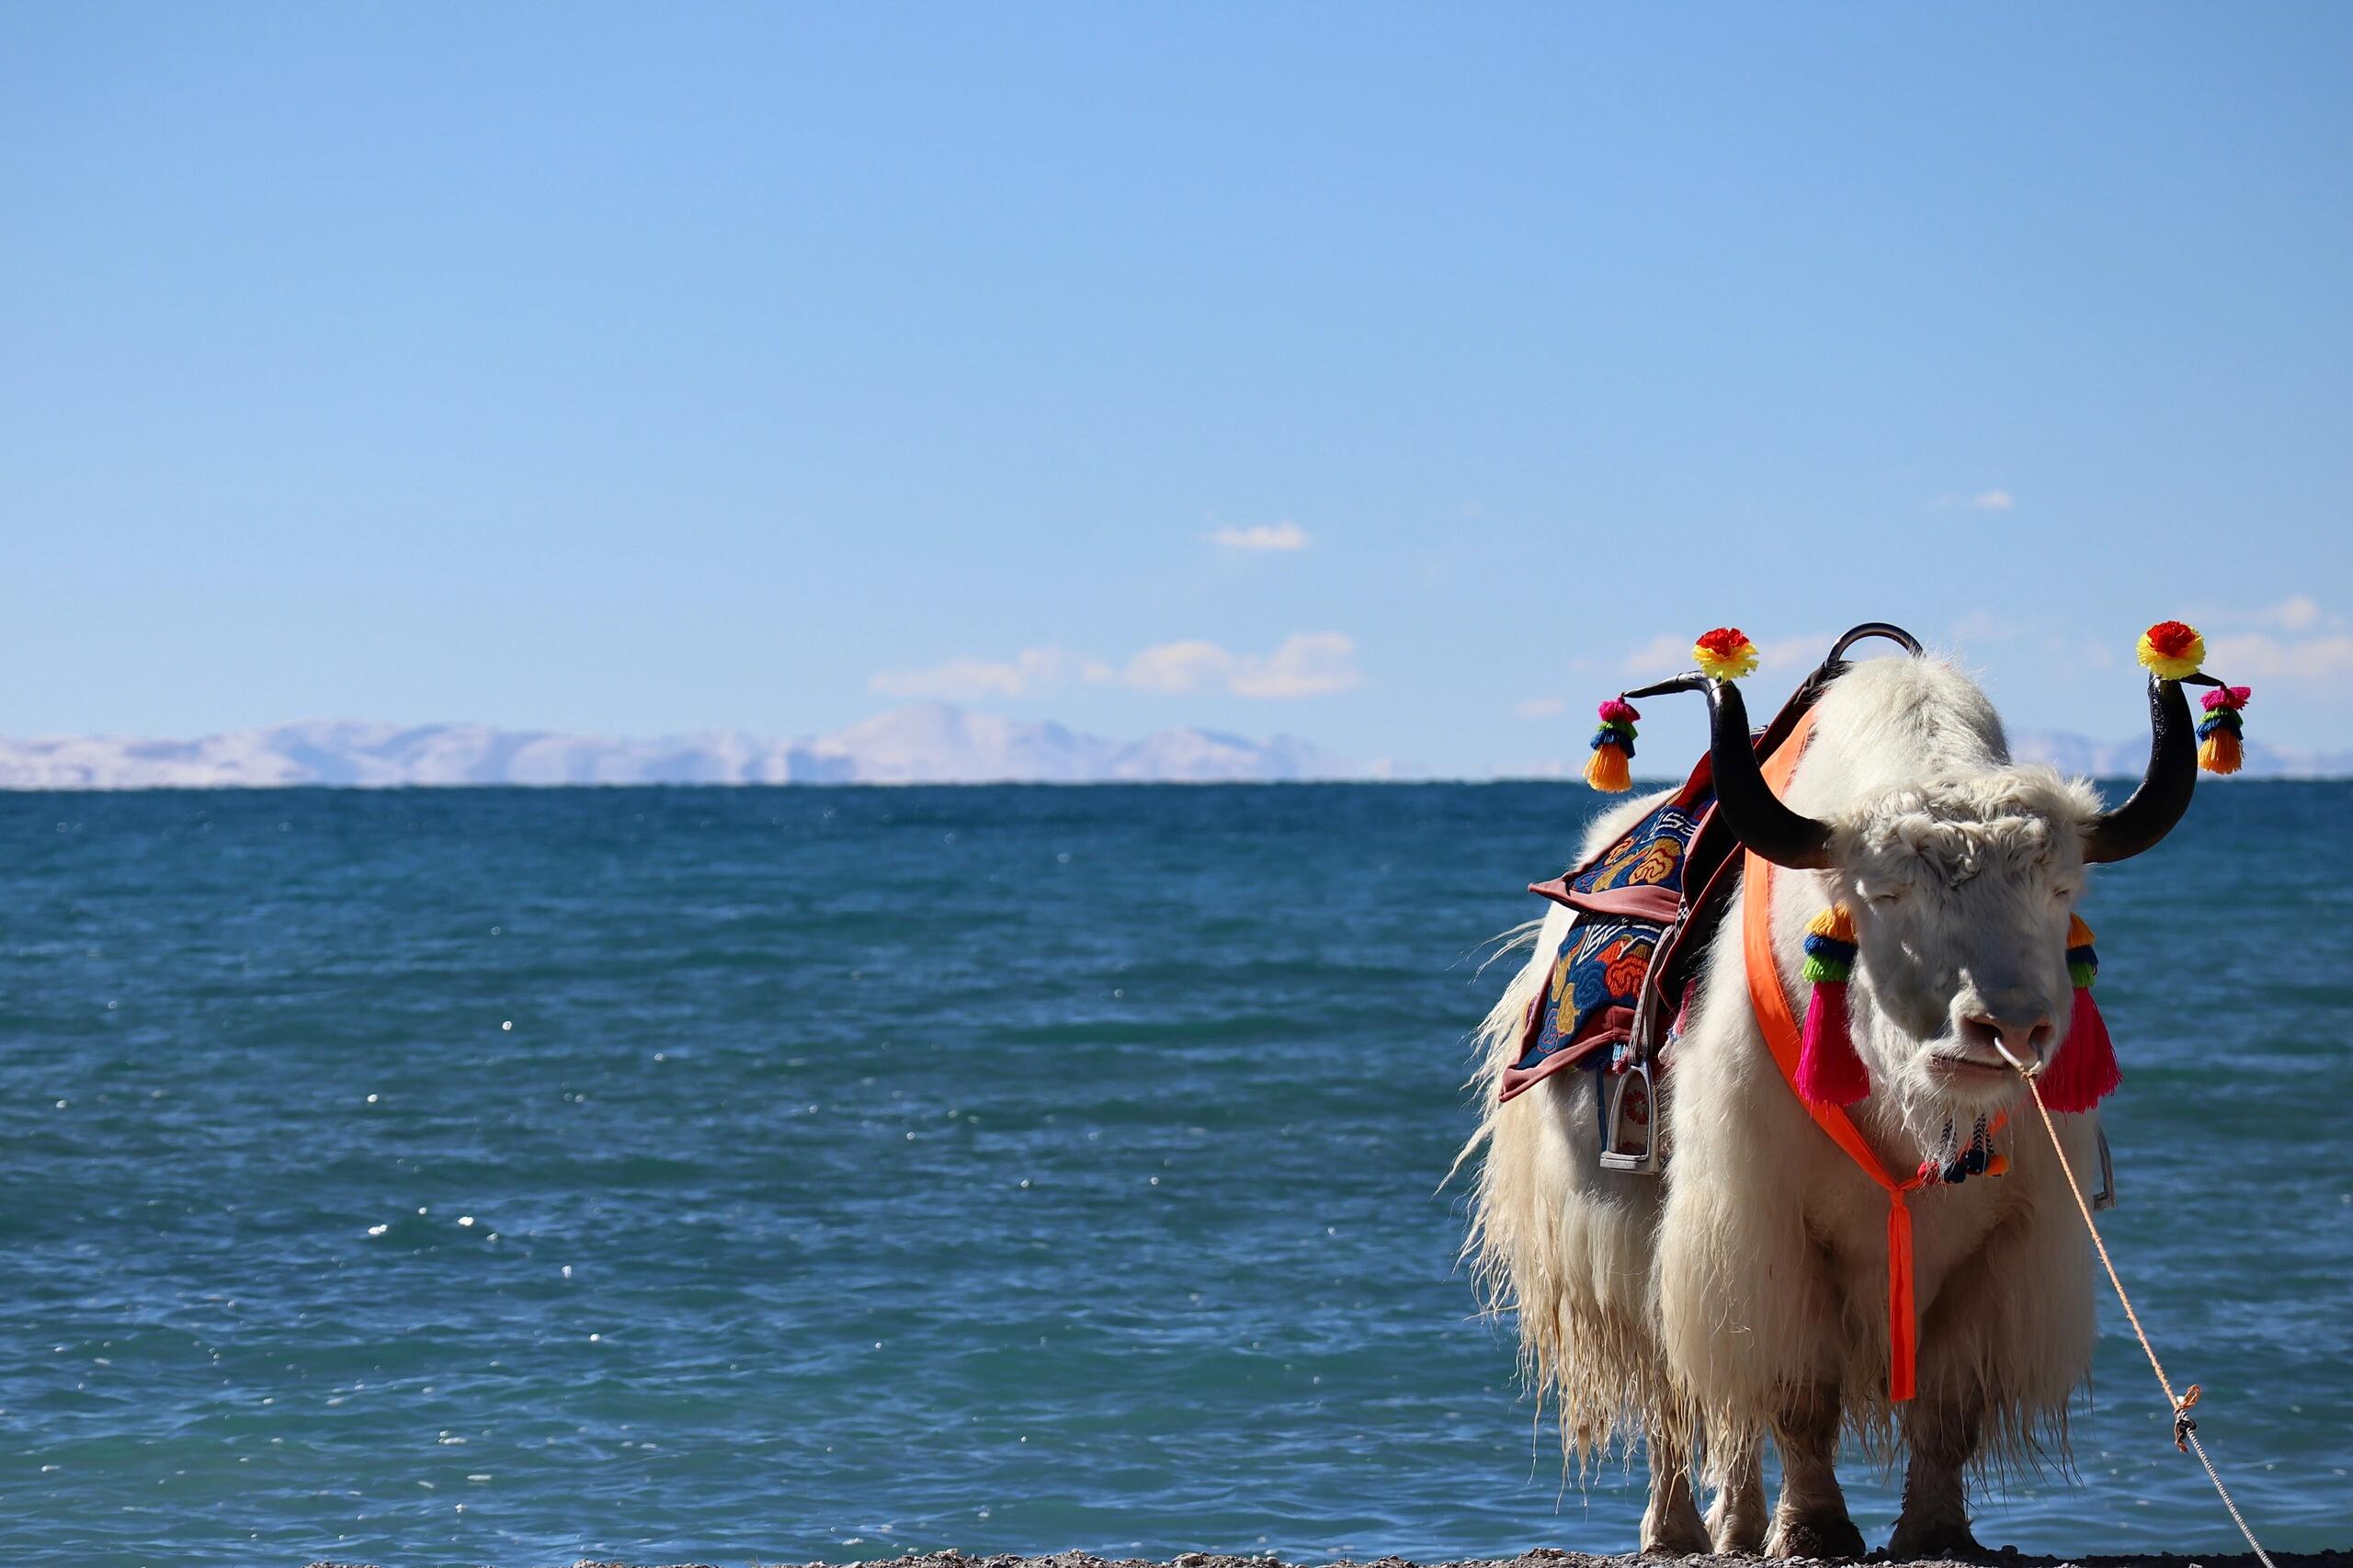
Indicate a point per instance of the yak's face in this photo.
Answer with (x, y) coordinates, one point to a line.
(1961, 890)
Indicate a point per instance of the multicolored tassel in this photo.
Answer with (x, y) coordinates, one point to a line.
(2221, 732)
(2084, 1072)
(1829, 1072)
(1609, 769)
(1726, 654)
(2172, 650)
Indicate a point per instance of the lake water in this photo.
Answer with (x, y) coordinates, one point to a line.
(507, 1176)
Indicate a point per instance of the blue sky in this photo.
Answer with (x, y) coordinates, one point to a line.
(633, 369)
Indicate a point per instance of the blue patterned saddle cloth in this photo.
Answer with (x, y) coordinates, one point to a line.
(1625, 900)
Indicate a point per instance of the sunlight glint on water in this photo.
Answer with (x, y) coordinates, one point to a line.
(511, 1175)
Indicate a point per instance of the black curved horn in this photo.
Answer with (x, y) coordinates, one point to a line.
(2165, 788)
(1886, 629)
(1755, 814)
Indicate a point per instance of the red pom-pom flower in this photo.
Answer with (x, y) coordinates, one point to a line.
(1726, 654)
(2171, 649)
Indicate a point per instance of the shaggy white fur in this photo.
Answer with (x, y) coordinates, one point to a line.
(1745, 1294)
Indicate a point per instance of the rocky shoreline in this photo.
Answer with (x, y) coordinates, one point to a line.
(1539, 1559)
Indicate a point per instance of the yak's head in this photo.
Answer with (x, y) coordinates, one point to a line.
(1961, 889)
(1960, 886)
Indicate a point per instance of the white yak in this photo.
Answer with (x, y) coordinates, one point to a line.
(1745, 1295)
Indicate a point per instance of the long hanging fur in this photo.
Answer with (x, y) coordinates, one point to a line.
(1554, 1240)
(1697, 1304)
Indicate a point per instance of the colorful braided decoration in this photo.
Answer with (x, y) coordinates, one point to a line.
(1726, 654)
(1955, 1161)
(2084, 1072)
(2221, 734)
(2172, 650)
(1609, 769)
(1829, 1072)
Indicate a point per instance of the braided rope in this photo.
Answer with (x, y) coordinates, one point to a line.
(2184, 1430)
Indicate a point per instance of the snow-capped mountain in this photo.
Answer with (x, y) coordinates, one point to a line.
(924, 743)
(929, 743)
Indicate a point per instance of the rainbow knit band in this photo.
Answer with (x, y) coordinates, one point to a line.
(1828, 960)
(2224, 719)
(1830, 947)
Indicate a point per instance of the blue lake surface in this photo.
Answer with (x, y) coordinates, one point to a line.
(507, 1176)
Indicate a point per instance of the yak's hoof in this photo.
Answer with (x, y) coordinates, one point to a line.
(1673, 1538)
(1736, 1536)
(1948, 1538)
(1820, 1535)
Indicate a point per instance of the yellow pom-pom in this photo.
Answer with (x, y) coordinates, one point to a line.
(1837, 923)
(2078, 934)
(2172, 650)
(1608, 770)
(1726, 654)
(2219, 753)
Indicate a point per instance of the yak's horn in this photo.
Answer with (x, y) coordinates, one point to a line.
(1756, 814)
(2164, 790)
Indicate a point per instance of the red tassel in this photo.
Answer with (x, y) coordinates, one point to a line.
(1829, 1072)
(2084, 1072)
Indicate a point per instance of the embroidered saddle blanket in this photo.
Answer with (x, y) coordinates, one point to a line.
(1625, 900)
(1643, 909)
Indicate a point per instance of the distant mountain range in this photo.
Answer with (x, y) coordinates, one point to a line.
(924, 743)
(2125, 759)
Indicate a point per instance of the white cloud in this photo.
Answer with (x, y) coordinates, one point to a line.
(1541, 708)
(955, 680)
(1283, 536)
(2257, 655)
(1176, 666)
(2297, 641)
(1983, 501)
(1661, 656)
(1307, 664)
(2295, 613)
(2303, 643)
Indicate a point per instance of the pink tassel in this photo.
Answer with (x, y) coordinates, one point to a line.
(1829, 1072)
(2086, 1071)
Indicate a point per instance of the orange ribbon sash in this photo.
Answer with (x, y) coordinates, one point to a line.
(1783, 1037)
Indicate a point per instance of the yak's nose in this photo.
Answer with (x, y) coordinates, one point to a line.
(2023, 1033)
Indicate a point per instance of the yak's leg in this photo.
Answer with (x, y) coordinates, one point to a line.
(1737, 1519)
(1671, 1525)
(1942, 1435)
(1811, 1519)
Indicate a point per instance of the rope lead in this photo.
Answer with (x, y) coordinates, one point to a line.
(2184, 1430)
